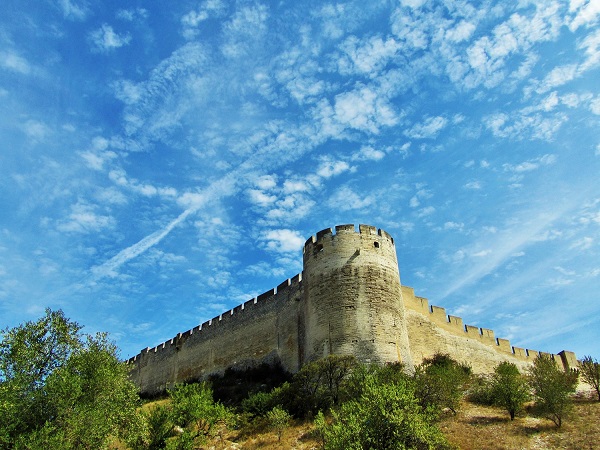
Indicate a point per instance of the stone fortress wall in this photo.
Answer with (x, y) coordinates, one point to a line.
(347, 301)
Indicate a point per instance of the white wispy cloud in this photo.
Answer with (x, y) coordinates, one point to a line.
(329, 168)
(557, 77)
(245, 27)
(502, 245)
(12, 61)
(532, 164)
(36, 130)
(98, 155)
(156, 105)
(283, 240)
(346, 199)
(427, 129)
(584, 13)
(120, 178)
(74, 9)
(368, 153)
(363, 109)
(473, 185)
(366, 57)
(133, 14)
(461, 32)
(207, 10)
(105, 39)
(523, 125)
(591, 47)
(584, 243)
(84, 219)
(260, 198)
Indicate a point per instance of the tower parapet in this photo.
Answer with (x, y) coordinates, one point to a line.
(352, 296)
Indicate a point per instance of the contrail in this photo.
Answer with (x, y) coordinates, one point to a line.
(212, 192)
(108, 268)
(261, 159)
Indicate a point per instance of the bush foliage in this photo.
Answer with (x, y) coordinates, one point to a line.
(509, 388)
(441, 382)
(590, 372)
(62, 389)
(552, 389)
(386, 415)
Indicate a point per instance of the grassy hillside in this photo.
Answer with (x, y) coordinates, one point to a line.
(474, 427)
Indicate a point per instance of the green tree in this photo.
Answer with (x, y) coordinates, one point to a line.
(195, 411)
(441, 382)
(155, 429)
(279, 419)
(335, 370)
(386, 416)
(317, 386)
(509, 388)
(62, 389)
(30, 353)
(590, 372)
(259, 404)
(552, 389)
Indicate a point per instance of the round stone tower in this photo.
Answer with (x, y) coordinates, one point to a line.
(352, 296)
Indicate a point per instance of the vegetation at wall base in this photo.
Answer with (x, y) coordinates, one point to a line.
(63, 389)
(235, 384)
(552, 389)
(441, 382)
(509, 388)
(385, 416)
(590, 373)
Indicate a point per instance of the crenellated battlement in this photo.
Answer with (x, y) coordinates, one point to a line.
(455, 325)
(342, 230)
(225, 318)
(348, 300)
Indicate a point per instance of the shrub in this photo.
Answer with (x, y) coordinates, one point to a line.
(590, 372)
(316, 387)
(194, 410)
(441, 382)
(62, 389)
(508, 388)
(278, 419)
(386, 416)
(259, 404)
(552, 389)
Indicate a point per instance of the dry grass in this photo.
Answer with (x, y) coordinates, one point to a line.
(299, 435)
(474, 427)
(481, 427)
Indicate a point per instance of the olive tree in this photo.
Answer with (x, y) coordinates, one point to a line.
(590, 372)
(509, 388)
(60, 388)
(194, 410)
(279, 420)
(441, 381)
(552, 389)
(385, 416)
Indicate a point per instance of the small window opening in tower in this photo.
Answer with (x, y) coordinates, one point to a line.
(318, 248)
(376, 244)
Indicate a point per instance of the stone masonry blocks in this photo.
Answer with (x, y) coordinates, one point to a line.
(348, 300)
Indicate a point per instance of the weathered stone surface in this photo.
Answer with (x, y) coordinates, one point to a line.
(349, 301)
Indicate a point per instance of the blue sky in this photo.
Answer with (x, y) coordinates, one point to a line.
(162, 162)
